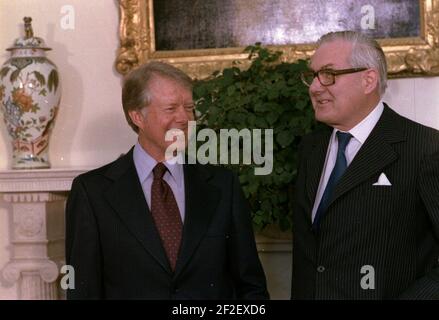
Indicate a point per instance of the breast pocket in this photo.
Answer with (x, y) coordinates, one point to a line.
(377, 205)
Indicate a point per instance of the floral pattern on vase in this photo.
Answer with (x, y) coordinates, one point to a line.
(30, 94)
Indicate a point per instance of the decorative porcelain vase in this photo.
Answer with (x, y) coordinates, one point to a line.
(30, 94)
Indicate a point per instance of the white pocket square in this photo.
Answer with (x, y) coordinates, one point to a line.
(382, 181)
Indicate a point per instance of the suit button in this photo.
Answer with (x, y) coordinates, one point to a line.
(320, 269)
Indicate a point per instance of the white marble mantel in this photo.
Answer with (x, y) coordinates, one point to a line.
(41, 180)
(37, 201)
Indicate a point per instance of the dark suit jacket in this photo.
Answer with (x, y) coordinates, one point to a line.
(115, 249)
(394, 229)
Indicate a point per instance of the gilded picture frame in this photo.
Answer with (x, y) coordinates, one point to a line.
(406, 57)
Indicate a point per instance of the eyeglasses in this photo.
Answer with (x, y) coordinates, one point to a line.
(326, 76)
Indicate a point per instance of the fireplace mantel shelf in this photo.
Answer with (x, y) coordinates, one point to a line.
(38, 180)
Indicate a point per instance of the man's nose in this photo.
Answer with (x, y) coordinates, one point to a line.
(316, 87)
(181, 115)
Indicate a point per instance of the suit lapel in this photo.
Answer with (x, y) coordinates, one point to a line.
(127, 199)
(201, 202)
(376, 153)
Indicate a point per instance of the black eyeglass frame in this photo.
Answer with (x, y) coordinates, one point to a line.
(332, 72)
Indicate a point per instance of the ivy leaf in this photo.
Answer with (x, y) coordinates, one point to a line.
(301, 104)
(272, 117)
(261, 107)
(251, 119)
(284, 138)
(266, 206)
(231, 90)
(213, 111)
(260, 122)
(273, 94)
(199, 91)
(240, 117)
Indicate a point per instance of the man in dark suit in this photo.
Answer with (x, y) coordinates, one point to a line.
(145, 228)
(366, 217)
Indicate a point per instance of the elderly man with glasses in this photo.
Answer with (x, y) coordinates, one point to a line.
(366, 217)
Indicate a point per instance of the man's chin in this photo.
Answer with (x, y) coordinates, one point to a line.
(320, 115)
(323, 117)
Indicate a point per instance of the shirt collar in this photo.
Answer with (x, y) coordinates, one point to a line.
(144, 164)
(363, 129)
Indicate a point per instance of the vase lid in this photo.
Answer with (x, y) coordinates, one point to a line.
(29, 41)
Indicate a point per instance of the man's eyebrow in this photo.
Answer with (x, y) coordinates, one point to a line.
(326, 66)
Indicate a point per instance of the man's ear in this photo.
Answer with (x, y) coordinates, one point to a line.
(370, 80)
(136, 117)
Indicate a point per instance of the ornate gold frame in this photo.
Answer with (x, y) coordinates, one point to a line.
(406, 57)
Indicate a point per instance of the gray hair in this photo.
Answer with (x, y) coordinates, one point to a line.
(366, 52)
(136, 93)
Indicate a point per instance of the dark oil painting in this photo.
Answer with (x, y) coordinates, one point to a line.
(204, 24)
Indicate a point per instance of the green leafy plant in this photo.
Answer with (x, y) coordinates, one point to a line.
(267, 95)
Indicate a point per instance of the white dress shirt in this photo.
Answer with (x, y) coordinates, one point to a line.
(144, 164)
(359, 135)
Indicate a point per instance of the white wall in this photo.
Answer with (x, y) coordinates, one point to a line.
(415, 98)
(91, 128)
